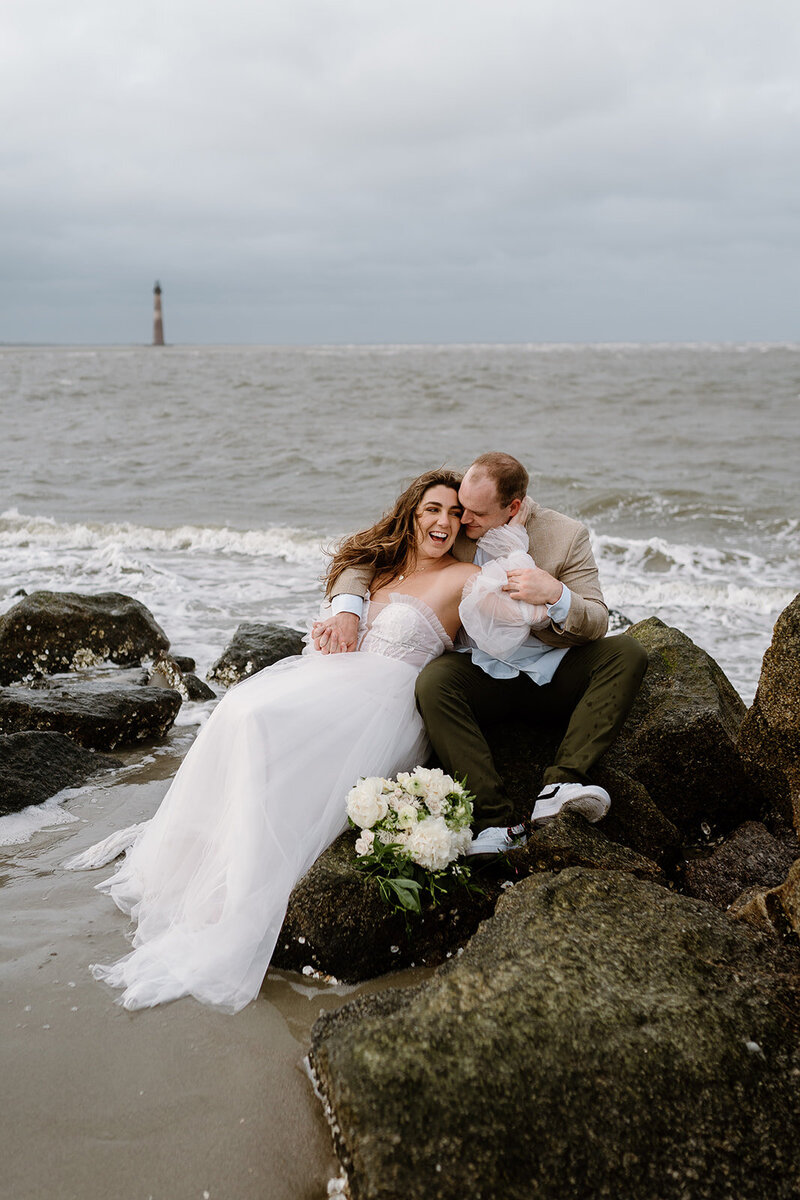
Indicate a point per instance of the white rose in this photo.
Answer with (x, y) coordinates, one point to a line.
(435, 805)
(364, 842)
(366, 804)
(407, 815)
(437, 787)
(429, 844)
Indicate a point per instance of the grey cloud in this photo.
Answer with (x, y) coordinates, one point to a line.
(417, 172)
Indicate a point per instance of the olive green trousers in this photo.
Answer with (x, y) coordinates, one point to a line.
(592, 691)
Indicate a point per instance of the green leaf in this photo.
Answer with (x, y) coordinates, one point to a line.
(407, 892)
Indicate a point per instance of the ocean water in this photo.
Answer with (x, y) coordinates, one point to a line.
(208, 481)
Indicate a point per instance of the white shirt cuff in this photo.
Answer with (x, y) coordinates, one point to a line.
(347, 603)
(559, 611)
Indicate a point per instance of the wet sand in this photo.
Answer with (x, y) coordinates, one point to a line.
(173, 1103)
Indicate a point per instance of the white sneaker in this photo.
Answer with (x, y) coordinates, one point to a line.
(591, 801)
(497, 839)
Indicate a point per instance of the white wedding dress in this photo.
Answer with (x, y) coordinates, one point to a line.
(257, 799)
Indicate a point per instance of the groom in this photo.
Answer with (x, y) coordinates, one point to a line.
(568, 671)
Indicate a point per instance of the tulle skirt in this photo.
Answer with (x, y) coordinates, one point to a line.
(258, 797)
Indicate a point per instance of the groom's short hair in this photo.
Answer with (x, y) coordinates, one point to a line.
(509, 475)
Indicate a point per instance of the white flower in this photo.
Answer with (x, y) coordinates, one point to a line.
(462, 840)
(364, 842)
(366, 804)
(425, 814)
(436, 787)
(400, 799)
(429, 844)
(407, 815)
(435, 805)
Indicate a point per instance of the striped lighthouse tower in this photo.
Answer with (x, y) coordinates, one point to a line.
(158, 320)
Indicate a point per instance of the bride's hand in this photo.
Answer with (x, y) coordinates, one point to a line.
(336, 635)
(523, 513)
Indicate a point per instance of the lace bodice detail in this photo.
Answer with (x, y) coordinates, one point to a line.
(405, 628)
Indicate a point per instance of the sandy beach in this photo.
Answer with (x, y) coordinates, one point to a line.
(172, 1103)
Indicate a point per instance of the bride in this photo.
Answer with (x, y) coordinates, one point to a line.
(261, 791)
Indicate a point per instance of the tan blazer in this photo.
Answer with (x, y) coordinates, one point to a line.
(560, 546)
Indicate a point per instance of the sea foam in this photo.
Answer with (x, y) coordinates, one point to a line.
(292, 545)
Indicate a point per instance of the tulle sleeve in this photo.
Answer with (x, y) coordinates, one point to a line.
(495, 622)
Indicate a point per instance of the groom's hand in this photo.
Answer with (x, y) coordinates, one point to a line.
(336, 635)
(533, 585)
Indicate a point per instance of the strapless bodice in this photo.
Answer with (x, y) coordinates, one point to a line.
(404, 628)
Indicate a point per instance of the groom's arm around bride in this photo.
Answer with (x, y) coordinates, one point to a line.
(568, 670)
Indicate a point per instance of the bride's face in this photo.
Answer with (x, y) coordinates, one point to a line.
(438, 519)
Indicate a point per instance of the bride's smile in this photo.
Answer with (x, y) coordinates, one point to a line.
(438, 520)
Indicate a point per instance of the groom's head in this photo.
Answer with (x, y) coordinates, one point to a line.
(491, 492)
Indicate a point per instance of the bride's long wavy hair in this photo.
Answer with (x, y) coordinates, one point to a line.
(390, 545)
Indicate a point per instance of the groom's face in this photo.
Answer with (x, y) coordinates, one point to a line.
(482, 508)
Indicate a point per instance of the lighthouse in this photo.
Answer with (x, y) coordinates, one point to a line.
(158, 320)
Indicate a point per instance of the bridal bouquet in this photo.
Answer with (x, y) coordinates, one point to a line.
(413, 828)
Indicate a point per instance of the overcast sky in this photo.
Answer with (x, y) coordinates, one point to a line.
(423, 171)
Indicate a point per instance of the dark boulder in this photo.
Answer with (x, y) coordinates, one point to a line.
(254, 646)
(50, 632)
(101, 714)
(772, 910)
(166, 671)
(599, 1037)
(34, 766)
(634, 820)
(679, 739)
(196, 688)
(750, 857)
(338, 924)
(186, 664)
(570, 841)
(769, 738)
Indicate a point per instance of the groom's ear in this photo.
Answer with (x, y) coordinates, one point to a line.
(514, 508)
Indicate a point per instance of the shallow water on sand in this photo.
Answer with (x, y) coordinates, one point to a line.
(174, 1103)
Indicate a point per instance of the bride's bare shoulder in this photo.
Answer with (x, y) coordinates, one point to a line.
(459, 572)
